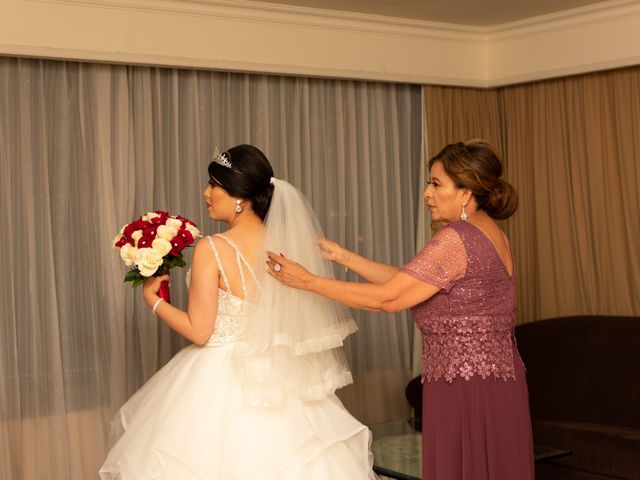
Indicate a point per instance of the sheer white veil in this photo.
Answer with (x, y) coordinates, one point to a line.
(293, 342)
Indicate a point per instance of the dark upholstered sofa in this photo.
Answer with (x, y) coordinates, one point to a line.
(584, 390)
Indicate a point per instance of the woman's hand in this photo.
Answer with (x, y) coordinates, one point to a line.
(332, 251)
(288, 272)
(150, 288)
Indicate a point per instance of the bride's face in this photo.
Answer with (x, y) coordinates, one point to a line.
(220, 205)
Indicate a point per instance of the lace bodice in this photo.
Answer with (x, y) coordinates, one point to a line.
(467, 327)
(231, 321)
(233, 312)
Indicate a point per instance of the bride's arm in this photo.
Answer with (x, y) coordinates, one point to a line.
(400, 292)
(370, 270)
(197, 323)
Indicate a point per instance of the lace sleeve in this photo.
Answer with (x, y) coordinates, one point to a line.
(441, 262)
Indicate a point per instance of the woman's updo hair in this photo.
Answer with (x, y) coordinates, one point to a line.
(476, 166)
(249, 177)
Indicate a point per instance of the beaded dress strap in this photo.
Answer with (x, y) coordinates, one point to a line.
(222, 273)
(240, 258)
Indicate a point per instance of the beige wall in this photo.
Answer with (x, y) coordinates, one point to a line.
(249, 36)
(240, 36)
(597, 37)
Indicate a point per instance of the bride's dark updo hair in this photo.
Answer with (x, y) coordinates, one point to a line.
(476, 166)
(249, 177)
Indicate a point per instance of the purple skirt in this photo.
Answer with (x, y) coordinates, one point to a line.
(477, 429)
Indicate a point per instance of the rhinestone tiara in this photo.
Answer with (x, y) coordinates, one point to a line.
(221, 158)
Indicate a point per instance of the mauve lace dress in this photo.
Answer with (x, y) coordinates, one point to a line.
(476, 421)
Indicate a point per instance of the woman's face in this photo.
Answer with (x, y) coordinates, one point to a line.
(220, 205)
(443, 197)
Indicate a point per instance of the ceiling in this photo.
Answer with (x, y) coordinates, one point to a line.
(480, 13)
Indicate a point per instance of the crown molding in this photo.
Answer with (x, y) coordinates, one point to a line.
(166, 61)
(577, 41)
(292, 40)
(567, 71)
(281, 14)
(274, 13)
(579, 17)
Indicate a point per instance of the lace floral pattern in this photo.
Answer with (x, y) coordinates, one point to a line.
(471, 349)
(467, 327)
(232, 319)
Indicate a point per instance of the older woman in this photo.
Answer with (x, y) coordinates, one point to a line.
(461, 289)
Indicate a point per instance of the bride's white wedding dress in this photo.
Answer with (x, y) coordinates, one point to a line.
(191, 421)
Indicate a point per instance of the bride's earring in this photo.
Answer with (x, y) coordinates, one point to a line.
(463, 215)
(238, 206)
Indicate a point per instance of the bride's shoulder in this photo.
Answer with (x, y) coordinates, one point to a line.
(205, 249)
(225, 246)
(204, 243)
(247, 241)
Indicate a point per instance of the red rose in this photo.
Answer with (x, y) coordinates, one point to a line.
(163, 214)
(185, 236)
(145, 242)
(177, 245)
(133, 226)
(129, 229)
(156, 221)
(150, 232)
(123, 241)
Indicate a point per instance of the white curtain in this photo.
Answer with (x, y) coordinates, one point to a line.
(84, 148)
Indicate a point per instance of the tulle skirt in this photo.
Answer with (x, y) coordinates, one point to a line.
(189, 421)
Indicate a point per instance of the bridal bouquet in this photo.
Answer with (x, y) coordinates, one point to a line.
(153, 245)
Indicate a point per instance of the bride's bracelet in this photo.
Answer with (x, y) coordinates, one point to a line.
(155, 305)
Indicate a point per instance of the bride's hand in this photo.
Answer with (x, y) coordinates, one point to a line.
(151, 286)
(332, 251)
(288, 272)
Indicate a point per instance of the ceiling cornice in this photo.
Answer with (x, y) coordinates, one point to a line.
(281, 14)
(566, 19)
(303, 41)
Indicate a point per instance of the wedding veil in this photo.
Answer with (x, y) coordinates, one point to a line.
(293, 342)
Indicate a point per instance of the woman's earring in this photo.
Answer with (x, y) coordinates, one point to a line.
(238, 206)
(463, 215)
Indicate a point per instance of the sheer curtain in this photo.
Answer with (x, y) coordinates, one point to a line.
(86, 147)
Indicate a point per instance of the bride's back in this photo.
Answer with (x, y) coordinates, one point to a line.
(238, 255)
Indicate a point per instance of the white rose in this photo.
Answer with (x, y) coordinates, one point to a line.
(149, 216)
(174, 222)
(161, 245)
(167, 232)
(136, 236)
(128, 253)
(193, 230)
(148, 261)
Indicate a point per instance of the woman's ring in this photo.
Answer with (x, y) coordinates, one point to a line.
(277, 267)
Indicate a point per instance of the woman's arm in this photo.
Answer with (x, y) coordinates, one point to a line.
(370, 270)
(398, 293)
(197, 323)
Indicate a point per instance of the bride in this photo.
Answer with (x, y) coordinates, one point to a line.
(253, 398)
